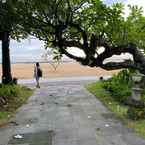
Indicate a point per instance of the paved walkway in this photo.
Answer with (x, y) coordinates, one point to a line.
(69, 115)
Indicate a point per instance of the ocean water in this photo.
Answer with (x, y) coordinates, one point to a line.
(33, 51)
(30, 59)
(29, 51)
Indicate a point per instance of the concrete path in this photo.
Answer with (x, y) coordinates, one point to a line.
(65, 113)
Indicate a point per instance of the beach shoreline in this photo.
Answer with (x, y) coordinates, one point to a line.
(64, 69)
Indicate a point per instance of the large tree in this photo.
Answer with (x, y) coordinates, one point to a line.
(89, 25)
(10, 27)
(86, 25)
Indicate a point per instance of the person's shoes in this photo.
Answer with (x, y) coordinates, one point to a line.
(37, 86)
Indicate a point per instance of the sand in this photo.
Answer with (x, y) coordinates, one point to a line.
(25, 71)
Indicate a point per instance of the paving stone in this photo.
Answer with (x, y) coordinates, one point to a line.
(39, 138)
(65, 110)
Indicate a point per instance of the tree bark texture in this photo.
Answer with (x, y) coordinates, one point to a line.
(6, 65)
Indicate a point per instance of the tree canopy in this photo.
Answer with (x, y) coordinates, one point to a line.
(86, 25)
(11, 26)
(11, 19)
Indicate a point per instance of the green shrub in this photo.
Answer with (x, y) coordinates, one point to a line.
(135, 113)
(12, 97)
(119, 110)
(125, 77)
(120, 85)
(143, 95)
(9, 93)
(120, 92)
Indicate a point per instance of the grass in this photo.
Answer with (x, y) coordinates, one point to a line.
(13, 102)
(119, 110)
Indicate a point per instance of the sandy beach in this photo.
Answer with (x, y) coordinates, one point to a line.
(25, 71)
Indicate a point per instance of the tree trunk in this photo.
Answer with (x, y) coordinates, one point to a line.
(6, 66)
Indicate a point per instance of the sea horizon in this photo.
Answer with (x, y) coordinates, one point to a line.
(30, 62)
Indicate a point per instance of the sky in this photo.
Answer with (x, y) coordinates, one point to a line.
(109, 2)
(140, 3)
(32, 50)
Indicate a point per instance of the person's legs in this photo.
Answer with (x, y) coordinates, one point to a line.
(37, 81)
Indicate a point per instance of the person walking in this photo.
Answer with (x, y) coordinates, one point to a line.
(37, 74)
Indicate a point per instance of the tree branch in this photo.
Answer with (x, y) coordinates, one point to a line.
(115, 50)
(72, 44)
(79, 6)
(56, 10)
(84, 36)
(119, 65)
